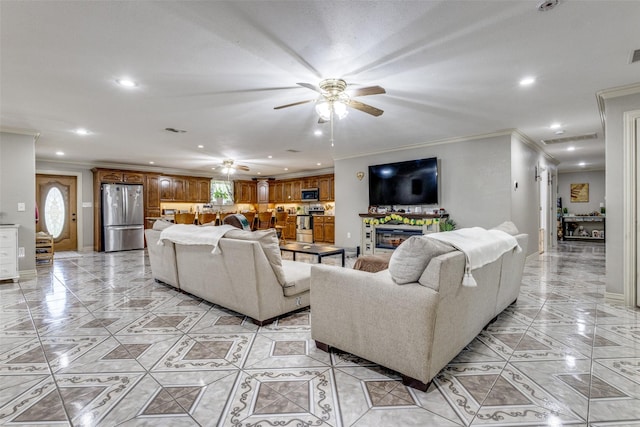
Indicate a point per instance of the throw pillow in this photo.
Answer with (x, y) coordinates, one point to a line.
(508, 227)
(161, 224)
(412, 256)
(270, 244)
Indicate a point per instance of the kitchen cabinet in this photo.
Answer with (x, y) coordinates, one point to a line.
(245, 191)
(263, 191)
(296, 193)
(287, 191)
(115, 176)
(325, 189)
(310, 182)
(204, 190)
(276, 192)
(324, 228)
(166, 188)
(179, 189)
(151, 199)
(290, 228)
(9, 252)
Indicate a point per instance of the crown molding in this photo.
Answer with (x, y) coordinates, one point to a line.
(127, 166)
(20, 131)
(506, 132)
(615, 92)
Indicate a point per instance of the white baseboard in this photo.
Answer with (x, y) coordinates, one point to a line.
(86, 249)
(614, 297)
(28, 274)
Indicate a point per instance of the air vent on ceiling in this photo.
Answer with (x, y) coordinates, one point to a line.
(174, 130)
(635, 56)
(584, 137)
(291, 150)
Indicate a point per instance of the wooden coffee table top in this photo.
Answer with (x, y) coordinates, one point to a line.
(310, 248)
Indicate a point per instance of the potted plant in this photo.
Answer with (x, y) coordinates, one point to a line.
(447, 225)
(220, 196)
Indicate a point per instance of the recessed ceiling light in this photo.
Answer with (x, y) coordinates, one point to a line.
(527, 81)
(555, 125)
(82, 131)
(559, 132)
(318, 164)
(582, 164)
(213, 168)
(270, 157)
(259, 173)
(317, 132)
(547, 5)
(572, 148)
(286, 169)
(59, 153)
(152, 162)
(200, 146)
(126, 83)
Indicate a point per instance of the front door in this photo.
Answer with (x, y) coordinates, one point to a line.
(56, 198)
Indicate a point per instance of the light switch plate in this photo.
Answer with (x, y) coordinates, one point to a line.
(21, 207)
(21, 252)
(87, 204)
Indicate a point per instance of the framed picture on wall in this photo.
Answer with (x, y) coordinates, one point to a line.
(579, 193)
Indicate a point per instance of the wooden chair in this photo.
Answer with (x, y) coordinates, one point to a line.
(280, 224)
(184, 218)
(264, 220)
(251, 217)
(205, 218)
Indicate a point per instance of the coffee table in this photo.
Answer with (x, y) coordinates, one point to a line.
(307, 248)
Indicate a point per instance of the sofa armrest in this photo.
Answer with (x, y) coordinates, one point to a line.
(368, 315)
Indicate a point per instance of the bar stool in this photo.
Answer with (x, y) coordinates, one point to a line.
(281, 223)
(251, 217)
(205, 218)
(184, 218)
(264, 220)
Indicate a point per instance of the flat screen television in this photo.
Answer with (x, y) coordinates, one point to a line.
(414, 182)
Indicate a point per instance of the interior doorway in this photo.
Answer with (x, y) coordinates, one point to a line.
(56, 196)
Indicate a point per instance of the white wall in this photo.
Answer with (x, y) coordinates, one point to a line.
(597, 190)
(474, 183)
(17, 185)
(614, 109)
(530, 199)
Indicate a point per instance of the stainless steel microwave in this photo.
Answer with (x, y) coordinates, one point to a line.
(309, 194)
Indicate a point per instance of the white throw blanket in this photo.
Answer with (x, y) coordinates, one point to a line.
(188, 234)
(480, 247)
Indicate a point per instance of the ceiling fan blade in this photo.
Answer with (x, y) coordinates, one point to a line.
(310, 86)
(293, 104)
(365, 108)
(364, 91)
(242, 168)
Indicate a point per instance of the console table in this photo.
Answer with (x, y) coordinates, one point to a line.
(593, 227)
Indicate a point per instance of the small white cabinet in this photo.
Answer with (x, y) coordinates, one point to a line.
(9, 252)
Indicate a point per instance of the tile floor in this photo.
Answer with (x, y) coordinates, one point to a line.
(94, 341)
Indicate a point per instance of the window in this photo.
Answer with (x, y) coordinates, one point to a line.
(223, 190)
(54, 212)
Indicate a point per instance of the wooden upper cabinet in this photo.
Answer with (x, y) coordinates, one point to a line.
(204, 191)
(133, 177)
(245, 191)
(191, 186)
(276, 194)
(287, 191)
(296, 193)
(109, 176)
(166, 188)
(179, 189)
(325, 188)
(152, 192)
(263, 191)
(310, 182)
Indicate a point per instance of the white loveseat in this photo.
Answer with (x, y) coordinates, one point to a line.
(418, 327)
(246, 274)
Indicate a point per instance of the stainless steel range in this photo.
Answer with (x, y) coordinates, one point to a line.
(304, 228)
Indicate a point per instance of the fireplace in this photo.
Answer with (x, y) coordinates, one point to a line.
(390, 238)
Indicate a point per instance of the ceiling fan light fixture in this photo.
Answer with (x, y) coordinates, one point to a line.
(324, 107)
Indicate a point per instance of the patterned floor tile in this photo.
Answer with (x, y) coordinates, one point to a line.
(206, 351)
(284, 397)
(284, 349)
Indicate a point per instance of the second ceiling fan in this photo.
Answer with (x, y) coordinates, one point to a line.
(334, 99)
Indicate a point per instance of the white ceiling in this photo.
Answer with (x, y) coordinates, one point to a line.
(216, 69)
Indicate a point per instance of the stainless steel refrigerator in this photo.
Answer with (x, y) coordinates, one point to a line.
(122, 217)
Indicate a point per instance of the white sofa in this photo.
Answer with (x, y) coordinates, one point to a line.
(246, 274)
(418, 327)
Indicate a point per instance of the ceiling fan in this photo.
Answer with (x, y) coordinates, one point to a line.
(229, 167)
(334, 99)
